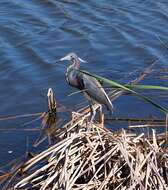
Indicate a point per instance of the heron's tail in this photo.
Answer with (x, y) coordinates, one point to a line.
(109, 105)
(110, 108)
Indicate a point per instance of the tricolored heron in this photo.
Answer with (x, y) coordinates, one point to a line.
(88, 84)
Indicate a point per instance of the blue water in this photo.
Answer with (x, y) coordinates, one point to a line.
(117, 38)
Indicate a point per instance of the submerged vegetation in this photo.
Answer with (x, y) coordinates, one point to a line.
(84, 155)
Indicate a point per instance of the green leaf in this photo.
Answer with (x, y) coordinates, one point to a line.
(146, 87)
(117, 85)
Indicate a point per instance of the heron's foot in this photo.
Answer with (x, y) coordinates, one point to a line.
(91, 122)
(87, 125)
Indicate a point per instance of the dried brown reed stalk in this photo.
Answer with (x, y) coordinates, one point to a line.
(87, 156)
(49, 119)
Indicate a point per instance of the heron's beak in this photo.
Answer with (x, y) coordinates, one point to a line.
(66, 58)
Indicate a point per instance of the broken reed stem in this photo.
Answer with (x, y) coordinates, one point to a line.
(49, 120)
(52, 106)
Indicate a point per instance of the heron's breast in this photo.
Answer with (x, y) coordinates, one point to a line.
(67, 79)
(71, 78)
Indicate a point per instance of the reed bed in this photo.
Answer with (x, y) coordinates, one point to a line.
(88, 156)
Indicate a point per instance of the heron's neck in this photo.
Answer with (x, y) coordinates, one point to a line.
(76, 64)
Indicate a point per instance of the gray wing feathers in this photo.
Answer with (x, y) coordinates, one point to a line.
(96, 91)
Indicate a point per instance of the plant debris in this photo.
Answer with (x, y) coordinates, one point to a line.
(88, 156)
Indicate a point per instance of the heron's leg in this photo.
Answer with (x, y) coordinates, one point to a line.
(93, 113)
(100, 116)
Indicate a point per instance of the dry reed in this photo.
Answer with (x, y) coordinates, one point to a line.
(88, 156)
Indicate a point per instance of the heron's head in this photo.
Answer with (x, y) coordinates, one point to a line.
(72, 57)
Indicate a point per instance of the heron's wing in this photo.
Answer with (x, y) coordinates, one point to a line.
(95, 91)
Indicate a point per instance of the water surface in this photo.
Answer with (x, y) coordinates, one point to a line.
(117, 38)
